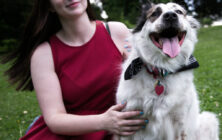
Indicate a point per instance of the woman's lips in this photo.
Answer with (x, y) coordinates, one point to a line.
(74, 4)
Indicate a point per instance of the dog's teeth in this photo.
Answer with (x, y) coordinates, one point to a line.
(160, 42)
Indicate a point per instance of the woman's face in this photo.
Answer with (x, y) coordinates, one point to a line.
(69, 8)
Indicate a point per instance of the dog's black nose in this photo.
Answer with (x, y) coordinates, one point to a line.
(170, 17)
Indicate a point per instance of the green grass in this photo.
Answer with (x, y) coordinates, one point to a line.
(208, 79)
(17, 109)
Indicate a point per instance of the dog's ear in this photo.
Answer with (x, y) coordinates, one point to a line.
(193, 22)
(145, 6)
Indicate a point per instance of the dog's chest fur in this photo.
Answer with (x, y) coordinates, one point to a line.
(165, 111)
(140, 94)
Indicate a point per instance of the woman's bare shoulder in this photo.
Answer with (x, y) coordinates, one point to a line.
(41, 50)
(42, 55)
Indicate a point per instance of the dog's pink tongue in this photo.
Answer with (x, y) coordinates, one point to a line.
(171, 46)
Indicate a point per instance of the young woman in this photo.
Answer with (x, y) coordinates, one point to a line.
(74, 67)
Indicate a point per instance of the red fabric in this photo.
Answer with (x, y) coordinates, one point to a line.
(88, 75)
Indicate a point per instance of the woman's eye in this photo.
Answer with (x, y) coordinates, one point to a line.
(179, 12)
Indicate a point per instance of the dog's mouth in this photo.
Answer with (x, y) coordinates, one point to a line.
(169, 41)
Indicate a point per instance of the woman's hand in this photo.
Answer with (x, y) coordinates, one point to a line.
(121, 123)
(127, 49)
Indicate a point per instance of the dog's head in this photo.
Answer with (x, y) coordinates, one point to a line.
(165, 35)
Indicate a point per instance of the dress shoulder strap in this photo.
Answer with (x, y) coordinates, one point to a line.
(107, 28)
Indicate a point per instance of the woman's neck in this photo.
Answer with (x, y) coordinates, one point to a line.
(78, 31)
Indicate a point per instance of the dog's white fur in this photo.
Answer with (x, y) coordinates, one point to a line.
(176, 112)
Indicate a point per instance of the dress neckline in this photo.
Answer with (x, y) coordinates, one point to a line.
(80, 46)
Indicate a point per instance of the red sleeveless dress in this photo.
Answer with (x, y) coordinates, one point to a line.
(88, 76)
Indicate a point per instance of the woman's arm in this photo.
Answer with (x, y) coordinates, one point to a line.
(49, 96)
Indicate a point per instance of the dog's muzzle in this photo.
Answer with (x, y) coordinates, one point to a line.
(170, 19)
(170, 37)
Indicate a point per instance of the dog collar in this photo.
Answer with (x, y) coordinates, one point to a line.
(136, 66)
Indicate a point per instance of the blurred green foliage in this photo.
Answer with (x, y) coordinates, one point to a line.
(14, 13)
(206, 21)
(7, 45)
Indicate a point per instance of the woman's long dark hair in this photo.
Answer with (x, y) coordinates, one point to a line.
(41, 25)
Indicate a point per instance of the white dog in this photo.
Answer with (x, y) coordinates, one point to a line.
(157, 77)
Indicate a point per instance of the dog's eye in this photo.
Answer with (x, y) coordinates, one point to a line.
(155, 14)
(179, 12)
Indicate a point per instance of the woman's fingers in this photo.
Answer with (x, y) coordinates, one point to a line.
(127, 133)
(134, 122)
(127, 45)
(131, 128)
(130, 114)
(118, 107)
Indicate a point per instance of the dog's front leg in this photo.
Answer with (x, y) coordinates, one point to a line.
(180, 130)
(182, 136)
(181, 118)
(133, 104)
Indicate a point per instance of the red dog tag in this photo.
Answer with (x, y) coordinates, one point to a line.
(159, 89)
